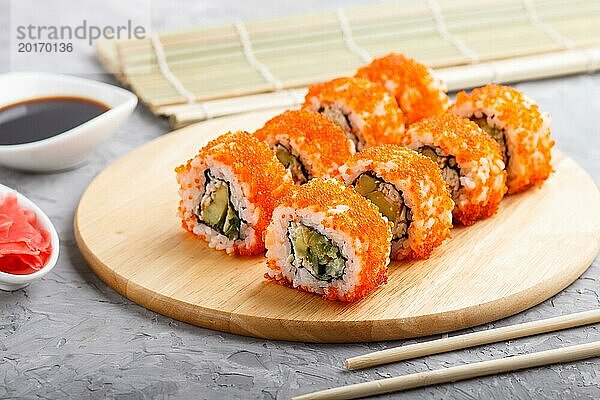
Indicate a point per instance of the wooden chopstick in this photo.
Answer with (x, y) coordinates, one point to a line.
(473, 339)
(458, 373)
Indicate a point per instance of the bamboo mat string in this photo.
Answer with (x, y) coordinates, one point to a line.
(440, 25)
(295, 97)
(556, 36)
(251, 58)
(349, 39)
(165, 70)
(496, 73)
(547, 29)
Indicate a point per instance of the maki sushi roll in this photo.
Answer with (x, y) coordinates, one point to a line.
(327, 239)
(521, 130)
(365, 111)
(408, 189)
(229, 190)
(307, 143)
(417, 92)
(470, 162)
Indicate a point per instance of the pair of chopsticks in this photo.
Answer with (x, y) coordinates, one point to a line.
(467, 371)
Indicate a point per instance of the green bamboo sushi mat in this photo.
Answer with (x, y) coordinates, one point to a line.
(235, 62)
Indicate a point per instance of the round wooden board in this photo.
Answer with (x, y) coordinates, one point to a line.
(126, 227)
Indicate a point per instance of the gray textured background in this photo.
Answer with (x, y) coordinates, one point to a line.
(69, 335)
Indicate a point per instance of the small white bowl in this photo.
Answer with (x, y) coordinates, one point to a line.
(10, 282)
(68, 149)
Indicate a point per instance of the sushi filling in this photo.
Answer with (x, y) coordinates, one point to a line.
(343, 121)
(216, 208)
(448, 166)
(315, 253)
(299, 173)
(497, 134)
(389, 200)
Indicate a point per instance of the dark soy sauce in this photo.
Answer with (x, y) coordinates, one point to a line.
(42, 118)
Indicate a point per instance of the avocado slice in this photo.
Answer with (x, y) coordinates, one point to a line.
(496, 133)
(219, 214)
(316, 253)
(215, 213)
(386, 207)
(231, 225)
(292, 163)
(368, 186)
(284, 156)
(429, 153)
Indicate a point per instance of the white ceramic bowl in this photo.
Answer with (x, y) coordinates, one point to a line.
(10, 282)
(71, 148)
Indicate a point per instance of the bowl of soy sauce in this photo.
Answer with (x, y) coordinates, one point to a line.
(51, 122)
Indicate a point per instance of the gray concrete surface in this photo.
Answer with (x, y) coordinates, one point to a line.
(71, 336)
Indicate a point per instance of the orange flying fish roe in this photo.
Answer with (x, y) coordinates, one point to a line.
(254, 165)
(423, 190)
(369, 232)
(417, 92)
(526, 130)
(321, 145)
(482, 175)
(382, 121)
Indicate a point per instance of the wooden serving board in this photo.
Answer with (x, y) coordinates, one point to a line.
(126, 227)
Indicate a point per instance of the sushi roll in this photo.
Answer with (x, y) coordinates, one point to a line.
(408, 189)
(229, 190)
(470, 162)
(364, 110)
(516, 123)
(307, 143)
(328, 239)
(417, 92)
